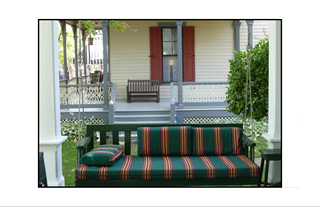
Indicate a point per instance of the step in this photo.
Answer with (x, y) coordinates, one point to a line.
(142, 118)
(142, 122)
(160, 112)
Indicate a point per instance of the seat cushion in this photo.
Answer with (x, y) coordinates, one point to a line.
(208, 141)
(103, 155)
(166, 167)
(162, 141)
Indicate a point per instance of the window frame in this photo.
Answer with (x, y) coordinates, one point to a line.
(170, 55)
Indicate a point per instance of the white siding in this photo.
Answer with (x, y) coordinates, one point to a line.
(256, 30)
(214, 46)
(129, 51)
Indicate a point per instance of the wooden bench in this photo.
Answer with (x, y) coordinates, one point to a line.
(236, 167)
(143, 90)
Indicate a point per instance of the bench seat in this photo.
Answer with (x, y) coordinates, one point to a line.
(130, 167)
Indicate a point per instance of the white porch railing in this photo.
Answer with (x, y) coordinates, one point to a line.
(202, 92)
(92, 94)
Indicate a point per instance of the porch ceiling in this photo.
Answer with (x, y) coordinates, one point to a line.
(96, 23)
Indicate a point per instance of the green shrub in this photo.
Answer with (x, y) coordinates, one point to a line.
(236, 94)
(70, 128)
(259, 127)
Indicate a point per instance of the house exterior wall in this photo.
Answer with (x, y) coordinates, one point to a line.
(256, 30)
(214, 46)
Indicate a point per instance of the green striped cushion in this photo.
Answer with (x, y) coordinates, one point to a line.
(103, 155)
(171, 167)
(158, 141)
(217, 141)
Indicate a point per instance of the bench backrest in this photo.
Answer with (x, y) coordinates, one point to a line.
(143, 85)
(187, 141)
(128, 128)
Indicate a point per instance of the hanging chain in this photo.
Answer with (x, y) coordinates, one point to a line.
(248, 77)
(80, 91)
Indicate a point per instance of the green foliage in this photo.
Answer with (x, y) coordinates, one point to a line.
(70, 46)
(236, 94)
(88, 24)
(70, 128)
(259, 127)
(118, 25)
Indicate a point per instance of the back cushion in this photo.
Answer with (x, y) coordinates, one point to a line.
(162, 141)
(217, 141)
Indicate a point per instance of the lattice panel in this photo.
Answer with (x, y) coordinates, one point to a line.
(94, 121)
(91, 95)
(202, 93)
(195, 120)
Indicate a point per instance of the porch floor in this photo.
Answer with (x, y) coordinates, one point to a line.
(163, 105)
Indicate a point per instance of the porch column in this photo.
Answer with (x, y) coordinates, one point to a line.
(84, 54)
(274, 131)
(250, 24)
(180, 73)
(237, 35)
(64, 36)
(105, 36)
(49, 115)
(75, 37)
(109, 66)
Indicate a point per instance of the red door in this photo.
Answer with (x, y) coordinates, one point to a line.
(155, 54)
(189, 52)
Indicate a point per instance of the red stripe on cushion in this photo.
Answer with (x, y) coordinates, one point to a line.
(116, 147)
(188, 167)
(82, 172)
(125, 168)
(254, 169)
(199, 142)
(217, 133)
(145, 140)
(103, 172)
(104, 152)
(167, 167)
(183, 140)
(165, 140)
(113, 158)
(211, 168)
(235, 140)
(232, 168)
(146, 168)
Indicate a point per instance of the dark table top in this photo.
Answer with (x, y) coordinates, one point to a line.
(271, 154)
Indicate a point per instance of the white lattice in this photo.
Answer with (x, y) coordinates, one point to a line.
(195, 120)
(202, 92)
(91, 95)
(93, 121)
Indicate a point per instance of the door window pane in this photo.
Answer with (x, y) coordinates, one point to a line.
(175, 48)
(167, 48)
(166, 34)
(170, 73)
(175, 34)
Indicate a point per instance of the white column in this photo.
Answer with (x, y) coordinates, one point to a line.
(180, 63)
(50, 132)
(274, 132)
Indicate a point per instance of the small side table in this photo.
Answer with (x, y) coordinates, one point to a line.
(268, 155)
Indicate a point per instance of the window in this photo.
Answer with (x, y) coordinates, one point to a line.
(169, 55)
(164, 50)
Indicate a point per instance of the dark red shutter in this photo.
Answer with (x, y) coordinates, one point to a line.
(155, 54)
(189, 52)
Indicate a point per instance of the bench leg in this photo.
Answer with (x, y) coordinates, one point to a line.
(261, 171)
(266, 174)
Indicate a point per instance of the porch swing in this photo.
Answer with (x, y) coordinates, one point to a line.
(248, 84)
